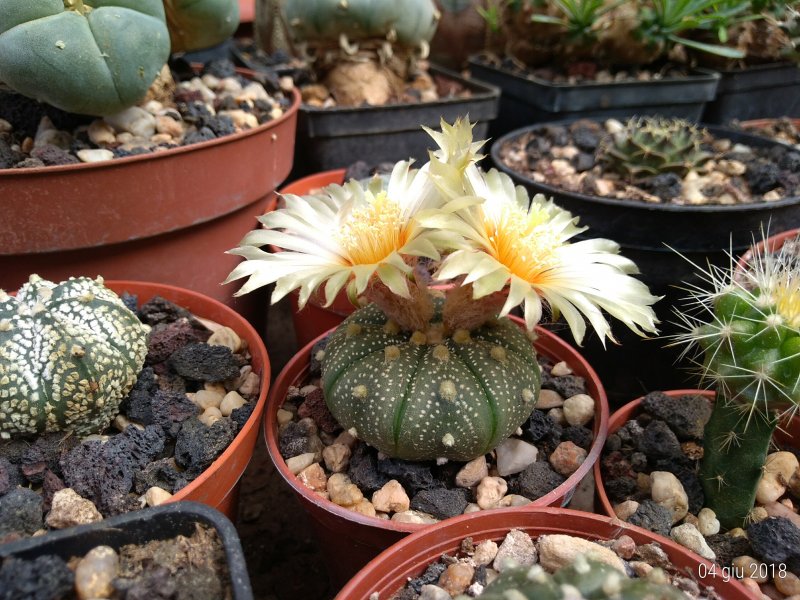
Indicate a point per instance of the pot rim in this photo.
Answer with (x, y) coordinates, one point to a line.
(288, 377)
(772, 243)
(447, 536)
(289, 113)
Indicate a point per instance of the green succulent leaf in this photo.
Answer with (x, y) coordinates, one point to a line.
(196, 24)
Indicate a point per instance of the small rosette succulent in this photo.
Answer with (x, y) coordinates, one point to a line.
(583, 579)
(649, 146)
(427, 378)
(417, 395)
(69, 353)
(93, 57)
(748, 330)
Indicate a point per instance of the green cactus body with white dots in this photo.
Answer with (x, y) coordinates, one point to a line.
(584, 578)
(752, 352)
(422, 396)
(69, 353)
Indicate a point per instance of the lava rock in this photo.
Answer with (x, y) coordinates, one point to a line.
(566, 385)
(53, 156)
(220, 124)
(413, 476)
(538, 426)
(659, 441)
(652, 516)
(638, 462)
(155, 583)
(686, 416)
(314, 406)
(584, 161)
(762, 177)
(220, 68)
(201, 135)
(160, 310)
(20, 511)
(613, 443)
(775, 539)
(363, 470)
(51, 484)
(579, 435)
(166, 338)
(294, 439)
(728, 547)
(620, 489)
(170, 409)
(10, 476)
(163, 473)
(44, 454)
(137, 405)
(537, 480)
(630, 434)
(192, 108)
(42, 578)
(537, 148)
(198, 445)
(103, 472)
(202, 362)
(241, 415)
(430, 576)
(584, 138)
(441, 503)
(616, 465)
(790, 161)
(665, 185)
(8, 157)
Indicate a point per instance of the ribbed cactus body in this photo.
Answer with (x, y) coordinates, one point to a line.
(422, 396)
(93, 57)
(197, 24)
(409, 23)
(584, 578)
(653, 145)
(69, 353)
(752, 351)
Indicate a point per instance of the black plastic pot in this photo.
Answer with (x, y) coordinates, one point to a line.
(527, 100)
(764, 91)
(139, 527)
(331, 138)
(646, 232)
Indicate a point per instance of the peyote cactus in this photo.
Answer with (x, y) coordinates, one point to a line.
(424, 395)
(196, 24)
(751, 347)
(411, 23)
(584, 578)
(92, 57)
(653, 145)
(69, 353)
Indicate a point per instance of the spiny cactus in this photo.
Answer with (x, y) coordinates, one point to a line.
(92, 57)
(584, 578)
(751, 346)
(411, 23)
(652, 145)
(423, 395)
(69, 353)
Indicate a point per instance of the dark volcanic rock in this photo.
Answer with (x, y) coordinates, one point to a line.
(538, 479)
(166, 338)
(441, 503)
(20, 511)
(159, 310)
(314, 406)
(659, 441)
(170, 409)
(728, 547)
(202, 362)
(775, 539)
(363, 470)
(652, 516)
(42, 578)
(413, 476)
(686, 415)
(198, 445)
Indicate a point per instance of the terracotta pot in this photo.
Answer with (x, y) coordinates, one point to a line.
(350, 539)
(788, 434)
(772, 244)
(389, 572)
(167, 216)
(218, 485)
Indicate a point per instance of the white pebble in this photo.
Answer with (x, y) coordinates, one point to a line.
(514, 456)
(578, 409)
(90, 155)
(557, 551)
(667, 490)
(707, 522)
(231, 402)
(297, 463)
(560, 369)
(688, 536)
(135, 120)
(472, 472)
(155, 496)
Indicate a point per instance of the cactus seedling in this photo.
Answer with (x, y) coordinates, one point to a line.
(424, 378)
(584, 578)
(749, 333)
(69, 353)
(653, 145)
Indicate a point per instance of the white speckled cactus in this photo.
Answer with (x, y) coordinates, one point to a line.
(69, 353)
(421, 378)
(421, 395)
